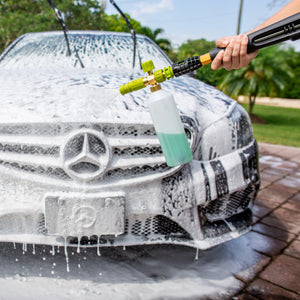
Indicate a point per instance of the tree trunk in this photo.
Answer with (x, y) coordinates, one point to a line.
(240, 17)
(251, 103)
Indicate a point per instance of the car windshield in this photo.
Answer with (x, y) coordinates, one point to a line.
(96, 50)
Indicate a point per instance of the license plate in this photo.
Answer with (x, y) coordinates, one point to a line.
(73, 214)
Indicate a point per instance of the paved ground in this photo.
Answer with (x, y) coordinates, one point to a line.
(277, 223)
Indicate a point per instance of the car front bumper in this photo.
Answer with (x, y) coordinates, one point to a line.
(202, 204)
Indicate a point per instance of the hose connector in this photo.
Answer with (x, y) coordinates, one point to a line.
(153, 79)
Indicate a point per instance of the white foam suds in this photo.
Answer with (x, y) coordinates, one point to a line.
(197, 254)
(78, 245)
(24, 248)
(67, 255)
(98, 246)
(234, 233)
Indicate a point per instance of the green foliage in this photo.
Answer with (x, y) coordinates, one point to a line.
(164, 44)
(194, 47)
(19, 17)
(117, 23)
(292, 88)
(266, 75)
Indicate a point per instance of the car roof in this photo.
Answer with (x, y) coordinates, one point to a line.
(87, 32)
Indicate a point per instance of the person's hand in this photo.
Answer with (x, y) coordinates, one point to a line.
(235, 55)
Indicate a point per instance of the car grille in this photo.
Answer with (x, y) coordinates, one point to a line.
(147, 225)
(228, 205)
(238, 222)
(144, 226)
(36, 149)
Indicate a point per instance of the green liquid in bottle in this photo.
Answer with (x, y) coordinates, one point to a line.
(175, 148)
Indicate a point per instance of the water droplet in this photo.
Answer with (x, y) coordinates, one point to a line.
(78, 245)
(24, 248)
(53, 250)
(197, 254)
(66, 255)
(98, 246)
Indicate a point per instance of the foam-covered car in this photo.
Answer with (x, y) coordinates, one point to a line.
(81, 164)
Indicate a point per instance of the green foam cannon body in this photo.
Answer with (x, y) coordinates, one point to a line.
(152, 78)
(131, 86)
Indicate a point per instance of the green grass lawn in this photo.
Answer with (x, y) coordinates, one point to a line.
(283, 125)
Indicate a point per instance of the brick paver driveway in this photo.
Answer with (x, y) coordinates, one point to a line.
(276, 227)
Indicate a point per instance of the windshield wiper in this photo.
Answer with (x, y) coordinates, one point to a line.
(65, 30)
(132, 31)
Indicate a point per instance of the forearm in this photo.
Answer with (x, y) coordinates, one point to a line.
(291, 8)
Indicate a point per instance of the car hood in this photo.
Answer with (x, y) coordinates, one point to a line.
(91, 95)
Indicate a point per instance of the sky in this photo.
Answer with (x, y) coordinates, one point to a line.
(196, 19)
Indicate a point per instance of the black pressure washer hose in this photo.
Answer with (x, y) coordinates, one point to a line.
(286, 29)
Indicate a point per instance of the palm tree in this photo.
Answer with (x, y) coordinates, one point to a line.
(266, 75)
(164, 44)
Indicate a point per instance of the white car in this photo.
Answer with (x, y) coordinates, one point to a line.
(81, 164)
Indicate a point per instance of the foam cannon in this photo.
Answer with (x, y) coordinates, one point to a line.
(286, 29)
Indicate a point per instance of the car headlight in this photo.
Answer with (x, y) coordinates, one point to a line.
(226, 135)
(242, 132)
(191, 130)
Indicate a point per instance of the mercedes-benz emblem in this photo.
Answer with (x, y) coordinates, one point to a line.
(84, 216)
(85, 155)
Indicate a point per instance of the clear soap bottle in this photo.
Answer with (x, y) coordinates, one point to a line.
(168, 126)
